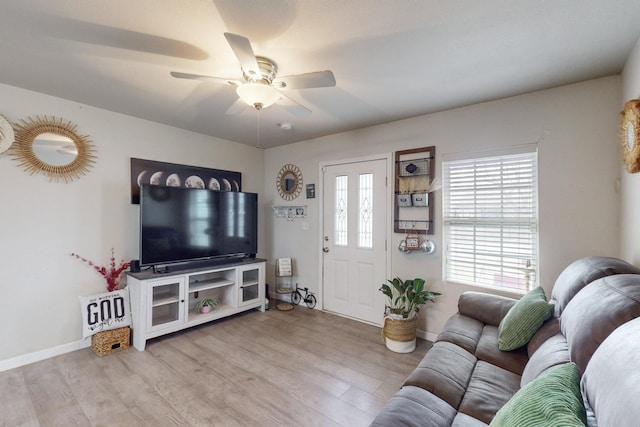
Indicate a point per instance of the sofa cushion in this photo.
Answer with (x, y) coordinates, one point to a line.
(462, 331)
(489, 389)
(548, 329)
(415, 407)
(486, 308)
(464, 420)
(487, 350)
(611, 381)
(598, 310)
(553, 399)
(582, 272)
(553, 352)
(444, 371)
(523, 320)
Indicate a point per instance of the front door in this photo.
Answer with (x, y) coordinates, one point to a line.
(355, 218)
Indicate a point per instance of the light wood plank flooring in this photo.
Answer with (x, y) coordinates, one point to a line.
(296, 368)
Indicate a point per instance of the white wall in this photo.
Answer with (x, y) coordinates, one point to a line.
(630, 183)
(576, 128)
(42, 222)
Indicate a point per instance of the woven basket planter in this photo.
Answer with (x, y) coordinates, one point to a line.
(399, 335)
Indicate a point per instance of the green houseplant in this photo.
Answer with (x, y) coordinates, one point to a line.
(406, 296)
(205, 305)
(404, 300)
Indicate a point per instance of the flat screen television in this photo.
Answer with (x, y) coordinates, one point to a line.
(180, 225)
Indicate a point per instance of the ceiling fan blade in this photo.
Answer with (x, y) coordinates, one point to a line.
(241, 47)
(203, 78)
(294, 107)
(237, 107)
(307, 81)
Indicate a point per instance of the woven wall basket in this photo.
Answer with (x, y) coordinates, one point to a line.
(402, 330)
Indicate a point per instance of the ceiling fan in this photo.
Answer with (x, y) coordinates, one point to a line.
(260, 86)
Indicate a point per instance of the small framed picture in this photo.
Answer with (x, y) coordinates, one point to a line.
(311, 191)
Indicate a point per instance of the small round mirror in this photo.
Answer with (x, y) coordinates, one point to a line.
(289, 182)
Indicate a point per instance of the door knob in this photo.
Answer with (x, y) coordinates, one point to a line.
(325, 249)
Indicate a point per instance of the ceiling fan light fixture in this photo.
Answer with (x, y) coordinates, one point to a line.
(258, 95)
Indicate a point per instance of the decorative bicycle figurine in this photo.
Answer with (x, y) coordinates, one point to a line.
(308, 299)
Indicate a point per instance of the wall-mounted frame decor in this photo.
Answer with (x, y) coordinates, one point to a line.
(630, 134)
(414, 185)
(52, 147)
(175, 175)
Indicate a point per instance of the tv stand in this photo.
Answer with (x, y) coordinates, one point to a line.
(162, 303)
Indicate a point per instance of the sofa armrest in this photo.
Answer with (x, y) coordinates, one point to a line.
(486, 308)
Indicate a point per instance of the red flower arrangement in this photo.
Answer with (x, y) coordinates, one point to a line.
(111, 274)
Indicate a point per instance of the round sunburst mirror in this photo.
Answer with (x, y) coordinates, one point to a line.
(630, 133)
(52, 147)
(289, 182)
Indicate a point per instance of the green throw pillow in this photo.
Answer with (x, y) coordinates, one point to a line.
(523, 320)
(551, 400)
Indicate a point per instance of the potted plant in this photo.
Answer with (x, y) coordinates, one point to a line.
(205, 305)
(404, 300)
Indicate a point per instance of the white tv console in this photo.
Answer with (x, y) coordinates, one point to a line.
(162, 303)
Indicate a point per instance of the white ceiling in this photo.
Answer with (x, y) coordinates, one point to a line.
(392, 59)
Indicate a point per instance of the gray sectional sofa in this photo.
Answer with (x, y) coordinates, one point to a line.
(464, 379)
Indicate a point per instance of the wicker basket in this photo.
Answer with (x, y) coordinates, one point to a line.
(402, 330)
(111, 341)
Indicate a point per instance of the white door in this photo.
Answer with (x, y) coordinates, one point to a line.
(355, 218)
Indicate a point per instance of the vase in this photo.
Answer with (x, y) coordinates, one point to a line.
(399, 334)
(205, 309)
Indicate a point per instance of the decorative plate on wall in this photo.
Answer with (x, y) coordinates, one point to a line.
(6, 134)
(630, 133)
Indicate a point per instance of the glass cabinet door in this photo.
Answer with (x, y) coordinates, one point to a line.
(250, 286)
(167, 303)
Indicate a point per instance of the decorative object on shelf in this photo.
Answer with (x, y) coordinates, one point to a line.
(284, 268)
(290, 212)
(175, 175)
(206, 305)
(289, 182)
(104, 312)
(414, 184)
(111, 273)
(413, 243)
(52, 147)
(7, 135)
(630, 133)
(404, 298)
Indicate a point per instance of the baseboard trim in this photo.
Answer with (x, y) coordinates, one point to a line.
(38, 356)
(429, 336)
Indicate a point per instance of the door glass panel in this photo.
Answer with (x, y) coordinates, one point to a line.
(341, 211)
(365, 223)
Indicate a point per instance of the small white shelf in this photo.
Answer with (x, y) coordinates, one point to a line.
(250, 283)
(209, 284)
(157, 302)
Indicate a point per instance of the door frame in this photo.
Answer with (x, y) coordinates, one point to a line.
(388, 157)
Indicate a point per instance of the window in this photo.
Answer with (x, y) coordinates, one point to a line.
(490, 218)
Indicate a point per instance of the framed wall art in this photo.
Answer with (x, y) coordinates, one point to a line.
(175, 175)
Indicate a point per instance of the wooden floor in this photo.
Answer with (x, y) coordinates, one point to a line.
(296, 368)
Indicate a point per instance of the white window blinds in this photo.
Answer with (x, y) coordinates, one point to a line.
(490, 220)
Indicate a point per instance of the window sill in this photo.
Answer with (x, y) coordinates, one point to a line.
(506, 292)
